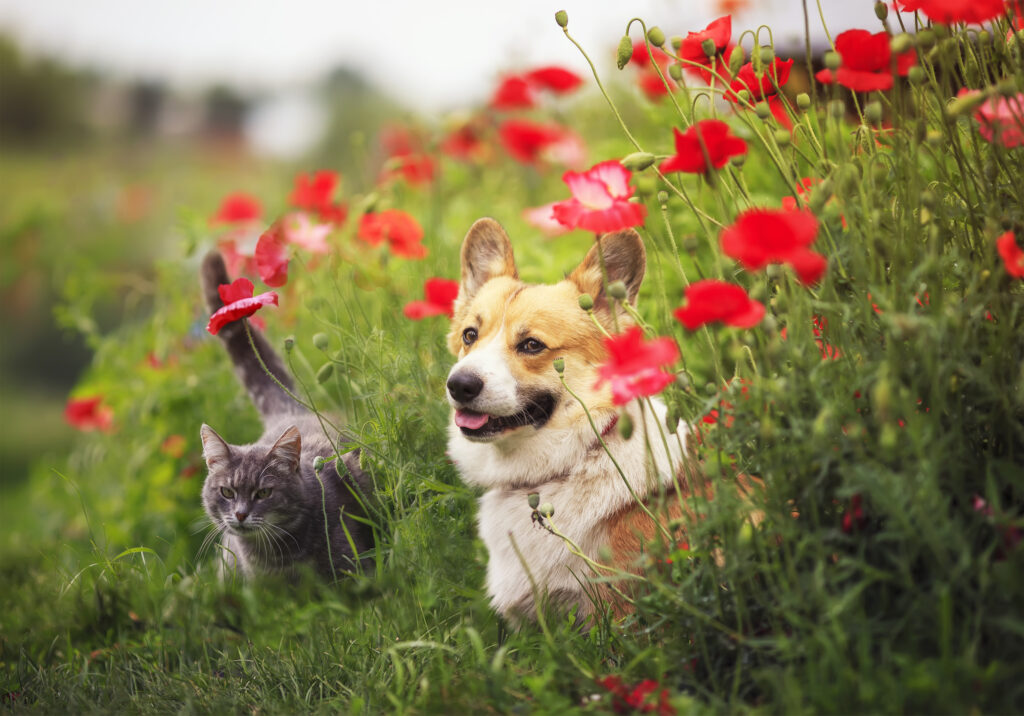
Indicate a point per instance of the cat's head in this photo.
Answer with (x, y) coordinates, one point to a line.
(250, 490)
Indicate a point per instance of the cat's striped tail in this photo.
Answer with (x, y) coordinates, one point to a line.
(266, 391)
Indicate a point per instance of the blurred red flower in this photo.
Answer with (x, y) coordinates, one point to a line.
(554, 79)
(513, 92)
(89, 414)
(238, 261)
(519, 91)
(236, 209)
(465, 143)
(1012, 255)
(399, 229)
(173, 446)
(1000, 119)
(600, 199)
(440, 295)
(543, 218)
(238, 303)
(645, 60)
(953, 11)
(299, 229)
(314, 191)
(526, 141)
(720, 33)
(760, 237)
(634, 365)
(271, 257)
(866, 62)
(712, 300)
(854, 517)
(633, 699)
(406, 157)
(708, 135)
(763, 86)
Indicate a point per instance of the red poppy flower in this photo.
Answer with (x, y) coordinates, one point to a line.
(600, 199)
(634, 366)
(1000, 119)
(406, 157)
(627, 699)
(711, 300)
(707, 135)
(398, 228)
(554, 79)
(719, 32)
(272, 257)
(465, 143)
(760, 87)
(953, 11)
(648, 79)
(173, 446)
(854, 518)
(514, 92)
(1012, 255)
(238, 303)
(525, 141)
(239, 260)
(760, 237)
(314, 191)
(440, 294)
(866, 62)
(237, 209)
(88, 414)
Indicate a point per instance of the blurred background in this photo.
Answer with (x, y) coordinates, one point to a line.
(123, 124)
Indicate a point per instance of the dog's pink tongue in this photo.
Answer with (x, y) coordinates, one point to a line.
(470, 420)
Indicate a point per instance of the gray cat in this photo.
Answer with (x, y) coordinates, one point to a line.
(272, 511)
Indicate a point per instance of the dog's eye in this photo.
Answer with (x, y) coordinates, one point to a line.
(469, 336)
(263, 493)
(531, 346)
(227, 492)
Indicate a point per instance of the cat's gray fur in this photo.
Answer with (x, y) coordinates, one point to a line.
(279, 531)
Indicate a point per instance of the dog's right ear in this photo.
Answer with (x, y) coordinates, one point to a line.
(486, 254)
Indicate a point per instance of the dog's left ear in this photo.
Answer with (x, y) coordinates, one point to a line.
(625, 259)
(486, 254)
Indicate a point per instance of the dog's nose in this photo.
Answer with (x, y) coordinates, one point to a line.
(465, 386)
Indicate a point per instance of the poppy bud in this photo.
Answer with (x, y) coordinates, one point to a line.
(873, 112)
(984, 37)
(321, 341)
(625, 426)
(881, 11)
(676, 41)
(833, 60)
(925, 38)
(586, 302)
(737, 160)
(325, 372)
(289, 343)
(964, 104)
(562, 18)
(559, 365)
(837, 108)
(672, 420)
(547, 509)
(934, 137)
(690, 244)
(709, 48)
(675, 72)
(766, 54)
(901, 43)
(1007, 88)
(683, 381)
(762, 110)
(743, 96)
(533, 499)
(318, 464)
(916, 75)
(656, 36)
(617, 290)
(624, 53)
(637, 161)
(736, 58)
(662, 197)
(803, 101)
(782, 137)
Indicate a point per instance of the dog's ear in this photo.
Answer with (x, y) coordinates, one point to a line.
(624, 260)
(486, 254)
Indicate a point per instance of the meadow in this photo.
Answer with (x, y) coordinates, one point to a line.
(845, 246)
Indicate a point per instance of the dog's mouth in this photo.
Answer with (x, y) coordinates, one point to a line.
(481, 425)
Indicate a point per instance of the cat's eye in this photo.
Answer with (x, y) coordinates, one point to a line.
(530, 346)
(227, 492)
(263, 493)
(469, 336)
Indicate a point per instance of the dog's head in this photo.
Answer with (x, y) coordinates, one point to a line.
(507, 335)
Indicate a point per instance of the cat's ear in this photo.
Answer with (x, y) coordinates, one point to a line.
(215, 451)
(288, 449)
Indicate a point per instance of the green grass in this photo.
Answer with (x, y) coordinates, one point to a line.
(911, 604)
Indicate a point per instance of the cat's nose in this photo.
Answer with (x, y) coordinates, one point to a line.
(464, 386)
(240, 516)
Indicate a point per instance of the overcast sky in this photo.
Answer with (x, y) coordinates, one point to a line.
(438, 54)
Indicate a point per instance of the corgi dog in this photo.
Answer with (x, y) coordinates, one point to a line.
(516, 429)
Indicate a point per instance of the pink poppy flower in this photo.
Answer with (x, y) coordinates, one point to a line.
(1000, 119)
(440, 295)
(87, 414)
(238, 303)
(543, 218)
(711, 300)
(600, 199)
(299, 229)
(634, 365)
(272, 257)
(760, 237)
(1012, 255)
(708, 135)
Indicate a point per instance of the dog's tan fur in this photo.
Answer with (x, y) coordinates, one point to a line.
(561, 459)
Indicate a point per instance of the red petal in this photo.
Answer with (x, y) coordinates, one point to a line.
(239, 309)
(272, 258)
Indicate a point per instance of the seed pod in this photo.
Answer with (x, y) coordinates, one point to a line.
(624, 53)
(873, 112)
(656, 36)
(325, 373)
(709, 48)
(321, 341)
(625, 426)
(547, 509)
(559, 365)
(803, 101)
(675, 72)
(562, 18)
(586, 301)
(638, 161)
(881, 10)
(617, 290)
(762, 110)
(289, 343)
(533, 499)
